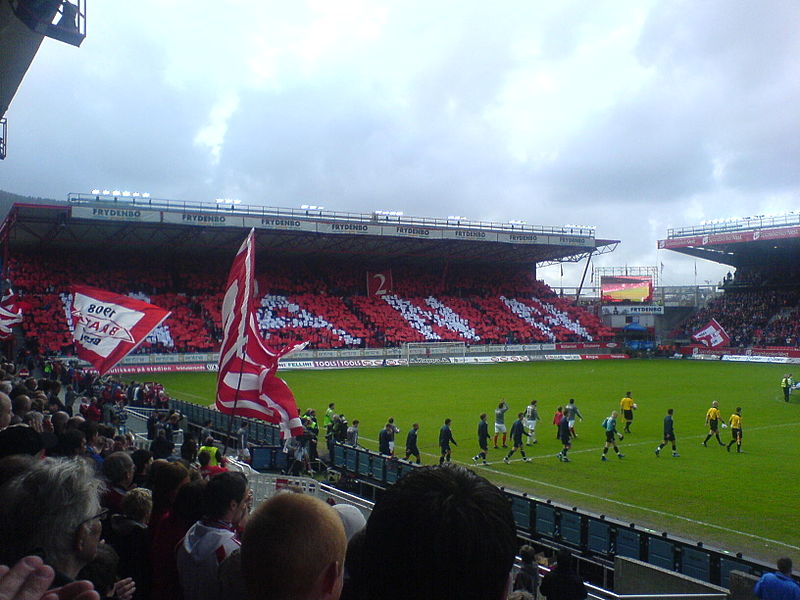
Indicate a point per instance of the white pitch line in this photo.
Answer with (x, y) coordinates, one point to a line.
(644, 508)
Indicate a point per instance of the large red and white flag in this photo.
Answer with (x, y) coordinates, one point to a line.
(10, 314)
(247, 385)
(712, 335)
(107, 326)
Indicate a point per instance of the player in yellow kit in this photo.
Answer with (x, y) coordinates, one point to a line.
(627, 406)
(713, 418)
(736, 430)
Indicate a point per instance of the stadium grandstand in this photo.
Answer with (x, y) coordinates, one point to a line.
(23, 26)
(336, 280)
(760, 304)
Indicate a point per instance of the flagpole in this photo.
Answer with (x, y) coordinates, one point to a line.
(246, 319)
(233, 412)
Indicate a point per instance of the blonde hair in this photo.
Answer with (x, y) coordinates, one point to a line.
(137, 504)
(289, 541)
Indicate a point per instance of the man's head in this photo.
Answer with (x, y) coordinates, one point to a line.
(225, 497)
(738, 410)
(118, 469)
(785, 565)
(415, 426)
(715, 404)
(21, 405)
(447, 422)
(5, 410)
(294, 548)
(66, 528)
(483, 416)
(520, 416)
(669, 411)
(533, 402)
(614, 414)
(451, 528)
(572, 400)
(355, 423)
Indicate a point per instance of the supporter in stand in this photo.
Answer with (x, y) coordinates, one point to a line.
(294, 548)
(118, 469)
(66, 531)
(227, 500)
(166, 478)
(127, 534)
(413, 528)
(167, 534)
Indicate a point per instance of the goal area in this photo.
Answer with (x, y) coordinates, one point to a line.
(432, 352)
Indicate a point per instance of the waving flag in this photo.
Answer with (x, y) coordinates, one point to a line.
(107, 326)
(247, 385)
(712, 335)
(10, 314)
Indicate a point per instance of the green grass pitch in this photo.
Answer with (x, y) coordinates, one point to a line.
(743, 503)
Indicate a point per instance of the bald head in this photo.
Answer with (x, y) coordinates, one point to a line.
(5, 410)
(293, 549)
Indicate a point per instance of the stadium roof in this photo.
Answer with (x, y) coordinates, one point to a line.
(749, 241)
(159, 226)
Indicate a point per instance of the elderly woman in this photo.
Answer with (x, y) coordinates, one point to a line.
(52, 510)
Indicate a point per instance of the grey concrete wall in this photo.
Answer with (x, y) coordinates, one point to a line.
(742, 586)
(636, 577)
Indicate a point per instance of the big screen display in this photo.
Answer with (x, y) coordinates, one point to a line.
(621, 288)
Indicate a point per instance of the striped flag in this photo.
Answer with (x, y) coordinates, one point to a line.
(10, 314)
(247, 384)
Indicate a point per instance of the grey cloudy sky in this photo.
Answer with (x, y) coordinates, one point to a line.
(633, 116)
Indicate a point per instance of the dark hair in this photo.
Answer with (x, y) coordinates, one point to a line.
(189, 449)
(219, 492)
(70, 442)
(451, 528)
(117, 466)
(188, 505)
(140, 458)
(669, 411)
(785, 565)
(102, 571)
(204, 458)
(527, 554)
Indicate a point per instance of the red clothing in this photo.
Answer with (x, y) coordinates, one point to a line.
(208, 471)
(167, 534)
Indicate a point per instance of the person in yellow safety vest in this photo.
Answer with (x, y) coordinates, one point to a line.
(213, 452)
(786, 384)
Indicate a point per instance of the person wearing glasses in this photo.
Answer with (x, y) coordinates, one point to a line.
(52, 510)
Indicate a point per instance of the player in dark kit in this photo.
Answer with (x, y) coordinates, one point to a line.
(669, 435)
(483, 440)
(517, 431)
(411, 442)
(736, 430)
(565, 435)
(445, 439)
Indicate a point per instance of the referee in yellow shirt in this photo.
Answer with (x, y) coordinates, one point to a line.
(713, 418)
(627, 407)
(736, 430)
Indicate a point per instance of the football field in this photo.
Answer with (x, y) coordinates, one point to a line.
(739, 502)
